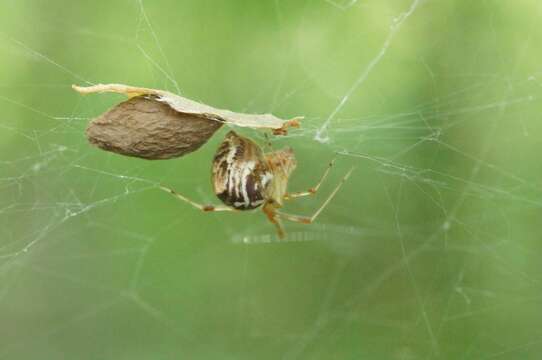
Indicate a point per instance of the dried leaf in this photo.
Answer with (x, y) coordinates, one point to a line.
(146, 128)
(187, 106)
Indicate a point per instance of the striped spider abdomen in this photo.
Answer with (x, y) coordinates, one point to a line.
(241, 175)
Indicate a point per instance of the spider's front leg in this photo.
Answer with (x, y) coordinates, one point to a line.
(310, 219)
(205, 208)
(313, 189)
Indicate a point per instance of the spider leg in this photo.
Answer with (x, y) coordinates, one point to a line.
(205, 208)
(310, 219)
(313, 189)
(271, 214)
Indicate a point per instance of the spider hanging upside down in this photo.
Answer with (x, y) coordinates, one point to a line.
(244, 178)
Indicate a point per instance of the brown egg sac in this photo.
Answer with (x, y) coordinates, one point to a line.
(146, 128)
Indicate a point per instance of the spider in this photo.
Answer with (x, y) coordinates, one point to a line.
(245, 178)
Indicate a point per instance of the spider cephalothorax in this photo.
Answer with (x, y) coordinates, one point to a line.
(244, 178)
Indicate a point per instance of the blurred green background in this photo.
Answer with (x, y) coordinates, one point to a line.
(429, 251)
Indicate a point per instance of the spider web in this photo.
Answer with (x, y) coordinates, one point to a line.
(427, 252)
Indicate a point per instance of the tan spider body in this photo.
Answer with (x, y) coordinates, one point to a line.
(245, 178)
